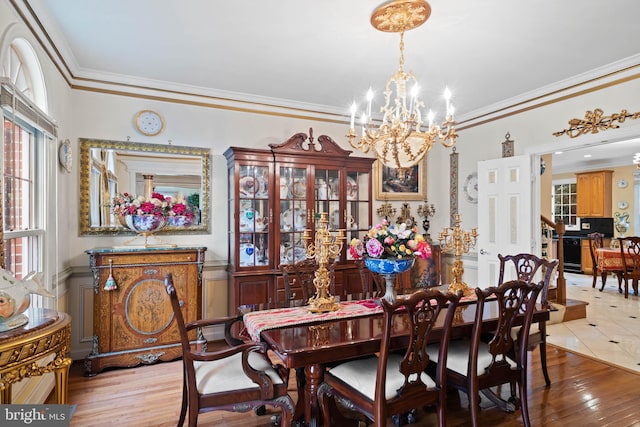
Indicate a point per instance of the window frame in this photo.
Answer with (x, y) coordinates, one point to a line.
(555, 218)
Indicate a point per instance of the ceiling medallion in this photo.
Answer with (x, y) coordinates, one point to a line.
(399, 141)
(594, 122)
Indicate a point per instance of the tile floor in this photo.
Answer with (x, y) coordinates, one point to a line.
(611, 330)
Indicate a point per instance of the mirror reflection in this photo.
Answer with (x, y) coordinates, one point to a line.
(111, 167)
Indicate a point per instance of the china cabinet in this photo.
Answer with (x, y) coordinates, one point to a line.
(275, 195)
(593, 194)
(133, 322)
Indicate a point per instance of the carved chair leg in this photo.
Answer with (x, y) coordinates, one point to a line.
(603, 274)
(543, 352)
(619, 281)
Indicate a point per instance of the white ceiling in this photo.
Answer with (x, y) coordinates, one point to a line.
(325, 54)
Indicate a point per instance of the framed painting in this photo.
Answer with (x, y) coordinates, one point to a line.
(401, 183)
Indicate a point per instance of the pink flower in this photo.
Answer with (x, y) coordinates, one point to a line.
(147, 207)
(374, 248)
(179, 209)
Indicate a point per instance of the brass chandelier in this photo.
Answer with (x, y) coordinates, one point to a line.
(400, 141)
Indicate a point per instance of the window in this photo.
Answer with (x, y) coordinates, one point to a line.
(564, 202)
(27, 132)
(23, 233)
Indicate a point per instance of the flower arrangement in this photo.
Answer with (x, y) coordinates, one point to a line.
(390, 241)
(126, 204)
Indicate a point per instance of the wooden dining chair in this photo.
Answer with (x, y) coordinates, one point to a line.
(630, 252)
(236, 378)
(596, 241)
(477, 364)
(371, 282)
(526, 266)
(394, 382)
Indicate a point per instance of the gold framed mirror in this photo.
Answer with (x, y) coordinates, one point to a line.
(111, 167)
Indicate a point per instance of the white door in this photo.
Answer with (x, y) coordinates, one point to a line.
(505, 224)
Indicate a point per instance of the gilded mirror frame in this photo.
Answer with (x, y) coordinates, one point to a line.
(86, 144)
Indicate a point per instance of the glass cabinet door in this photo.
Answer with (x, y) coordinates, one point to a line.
(358, 212)
(294, 213)
(253, 216)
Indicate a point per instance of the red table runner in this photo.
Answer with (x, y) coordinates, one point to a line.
(257, 321)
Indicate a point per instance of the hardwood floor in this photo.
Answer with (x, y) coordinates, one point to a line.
(583, 393)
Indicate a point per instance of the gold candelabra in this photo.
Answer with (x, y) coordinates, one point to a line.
(426, 210)
(324, 249)
(460, 241)
(386, 210)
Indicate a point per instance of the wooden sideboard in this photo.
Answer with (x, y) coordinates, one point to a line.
(48, 332)
(133, 324)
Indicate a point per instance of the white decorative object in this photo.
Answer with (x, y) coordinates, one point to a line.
(15, 298)
(622, 183)
(623, 205)
(65, 155)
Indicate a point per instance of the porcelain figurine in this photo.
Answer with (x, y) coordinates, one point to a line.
(15, 298)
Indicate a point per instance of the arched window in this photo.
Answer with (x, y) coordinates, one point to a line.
(20, 64)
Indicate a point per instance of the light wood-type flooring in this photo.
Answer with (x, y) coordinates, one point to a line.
(584, 393)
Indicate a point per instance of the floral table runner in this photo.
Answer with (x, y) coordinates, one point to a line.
(257, 321)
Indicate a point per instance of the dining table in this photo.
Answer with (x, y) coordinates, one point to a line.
(312, 342)
(609, 260)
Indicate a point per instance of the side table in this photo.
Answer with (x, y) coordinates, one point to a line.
(48, 332)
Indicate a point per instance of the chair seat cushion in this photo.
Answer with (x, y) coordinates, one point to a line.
(361, 375)
(227, 375)
(458, 356)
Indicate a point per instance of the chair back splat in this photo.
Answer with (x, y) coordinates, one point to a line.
(395, 382)
(236, 378)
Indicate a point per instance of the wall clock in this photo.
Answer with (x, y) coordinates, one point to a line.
(470, 187)
(149, 122)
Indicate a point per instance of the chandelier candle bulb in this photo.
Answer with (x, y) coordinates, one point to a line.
(354, 107)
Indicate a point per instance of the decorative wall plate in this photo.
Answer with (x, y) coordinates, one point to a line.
(470, 187)
(623, 204)
(65, 156)
(622, 183)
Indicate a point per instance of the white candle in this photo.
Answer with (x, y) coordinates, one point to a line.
(369, 99)
(447, 97)
(414, 95)
(431, 116)
(353, 115)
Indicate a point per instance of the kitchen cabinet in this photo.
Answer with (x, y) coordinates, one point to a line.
(275, 195)
(133, 323)
(593, 194)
